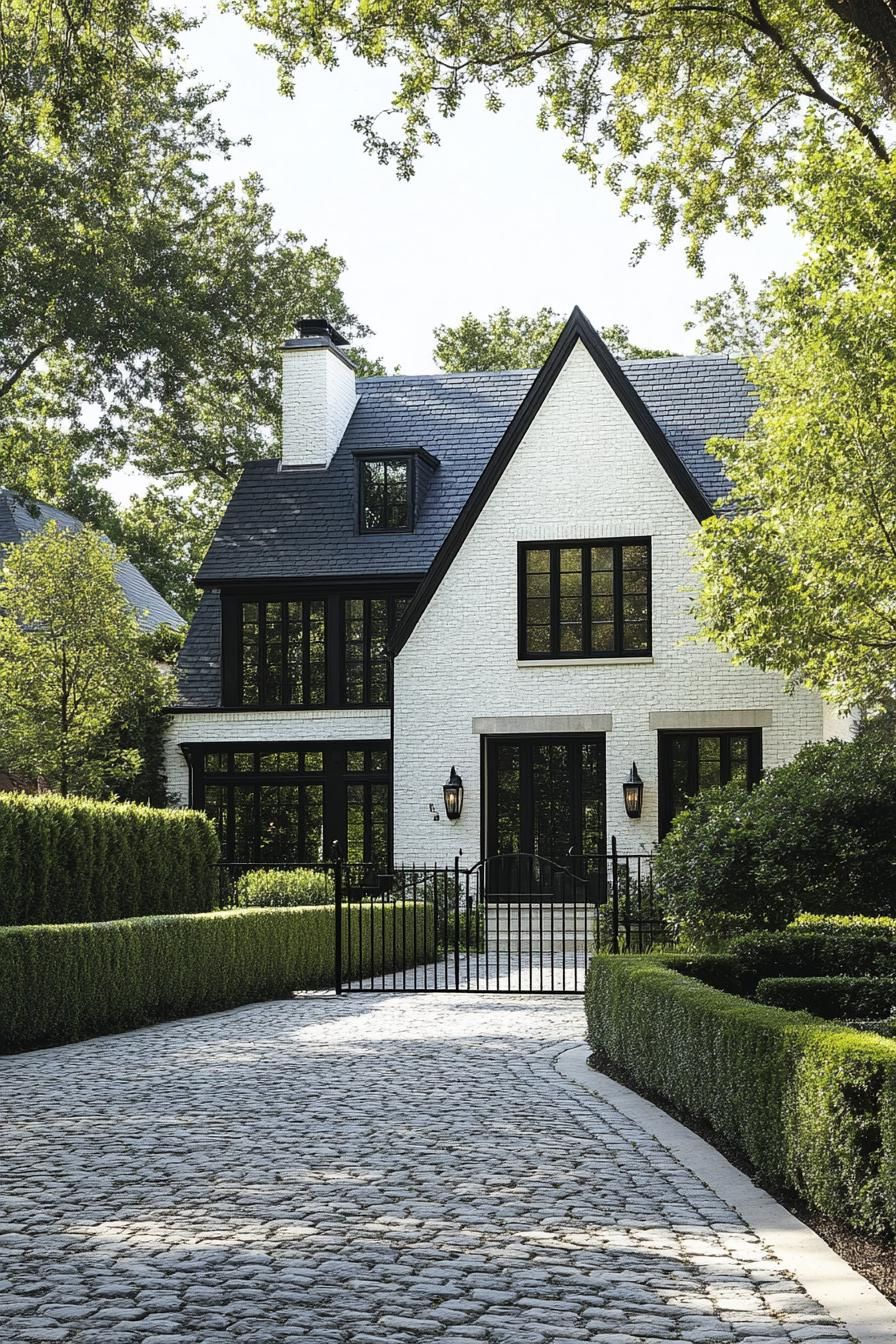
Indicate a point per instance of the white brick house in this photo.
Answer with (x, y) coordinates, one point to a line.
(521, 542)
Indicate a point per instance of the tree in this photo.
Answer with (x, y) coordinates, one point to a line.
(693, 112)
(800, 575)
(141, 306)
(504, 341)
(75, 670)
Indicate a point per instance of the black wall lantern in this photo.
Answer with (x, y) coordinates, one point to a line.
(633, 793)
(454, 795)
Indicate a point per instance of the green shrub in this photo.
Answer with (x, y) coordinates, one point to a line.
(65, 860)
(719, 969)
(832, 996)
(817, 834)
(287, 886)
(65, 982)
(811, 1105)
(819, 948)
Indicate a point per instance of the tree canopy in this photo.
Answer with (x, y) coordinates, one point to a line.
(76, 676)
(142, 304)
(505, 341)
(692, 111)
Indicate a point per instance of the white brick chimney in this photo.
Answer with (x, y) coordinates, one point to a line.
(318, 395)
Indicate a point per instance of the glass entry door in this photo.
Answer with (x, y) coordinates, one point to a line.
(546, 796)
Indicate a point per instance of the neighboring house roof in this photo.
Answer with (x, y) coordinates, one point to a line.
(17, 520)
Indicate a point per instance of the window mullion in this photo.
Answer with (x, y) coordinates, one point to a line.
(262, 653)
(306, 651)
(365, 648)
(285, 688)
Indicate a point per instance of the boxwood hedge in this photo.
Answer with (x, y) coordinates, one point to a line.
(65, 982)
(831, 996)
(66, 860)
(811, 1105)
(284, 886)
(819, 947)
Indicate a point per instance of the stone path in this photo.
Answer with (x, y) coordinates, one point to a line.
(359, 1171)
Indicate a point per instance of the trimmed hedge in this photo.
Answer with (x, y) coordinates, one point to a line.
(719, 969)
(65, 982)
(812, 1106)
(284, 886)
(68, 860)
(819, 947)
(832, 996)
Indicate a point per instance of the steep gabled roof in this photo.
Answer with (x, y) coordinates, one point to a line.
(17, 520)
(300, 522)
(577, 328)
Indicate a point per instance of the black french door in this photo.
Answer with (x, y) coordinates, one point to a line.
(545, 796)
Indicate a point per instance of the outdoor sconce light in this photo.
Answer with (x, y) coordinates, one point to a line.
(633, 793)
(454, 795)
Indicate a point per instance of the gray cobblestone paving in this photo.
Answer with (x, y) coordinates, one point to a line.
(357, 1171)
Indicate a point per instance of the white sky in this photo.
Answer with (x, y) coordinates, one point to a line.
(493, 217)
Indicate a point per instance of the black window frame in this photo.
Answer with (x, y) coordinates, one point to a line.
(335, 778)
(665, 737)
(369, 658)
(587, 652)
(286, 699)
(334, 598)
(405, 460)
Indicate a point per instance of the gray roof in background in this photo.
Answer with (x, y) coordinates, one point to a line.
(17, 520)
(295, 522)
(300, 522)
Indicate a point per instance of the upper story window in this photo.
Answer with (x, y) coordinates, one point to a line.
(386, 494)
(283, 653)
(584, 599)
(367, 624)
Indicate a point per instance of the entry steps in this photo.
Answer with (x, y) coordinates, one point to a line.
(548, 928)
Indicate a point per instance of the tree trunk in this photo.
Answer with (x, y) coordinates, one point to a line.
(875, 21)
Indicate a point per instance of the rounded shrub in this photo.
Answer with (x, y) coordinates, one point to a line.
(284, 887)
(816, 835)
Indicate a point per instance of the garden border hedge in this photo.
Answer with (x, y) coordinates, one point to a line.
(810, 1105)
(65, 982)
(68, 860)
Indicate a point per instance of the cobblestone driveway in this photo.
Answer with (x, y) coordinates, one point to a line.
(372, 1169)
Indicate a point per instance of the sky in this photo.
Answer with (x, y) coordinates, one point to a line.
(493, 217)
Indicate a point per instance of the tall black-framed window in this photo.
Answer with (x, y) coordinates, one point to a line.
(367, 623)
(585, 599)
(701, 759)
(282, 652)
(288, 802)
(386, 494)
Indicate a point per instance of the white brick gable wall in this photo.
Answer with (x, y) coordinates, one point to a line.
(319, 397)
(582, 471)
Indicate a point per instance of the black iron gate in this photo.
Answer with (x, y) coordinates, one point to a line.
(512, 923)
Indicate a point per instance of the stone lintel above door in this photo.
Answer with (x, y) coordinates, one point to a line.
(543, 724)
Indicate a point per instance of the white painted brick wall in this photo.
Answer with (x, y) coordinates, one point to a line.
(309, 725)
(319, 397)
(583, 470)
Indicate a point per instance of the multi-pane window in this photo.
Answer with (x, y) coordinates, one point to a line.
(283, 653)
(385, 487)
(289, 803)
(585, 599)
(692, 761)
(268, 805)
(367, 625)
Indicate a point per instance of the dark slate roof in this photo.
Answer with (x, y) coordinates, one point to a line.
(297, 522)
(18, 519)
(199, 661)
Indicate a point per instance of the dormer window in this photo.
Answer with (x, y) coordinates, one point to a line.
(386, 494)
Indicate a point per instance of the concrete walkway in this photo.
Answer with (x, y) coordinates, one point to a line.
(378, 1168)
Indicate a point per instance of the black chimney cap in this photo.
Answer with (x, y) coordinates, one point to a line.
(319, 326)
